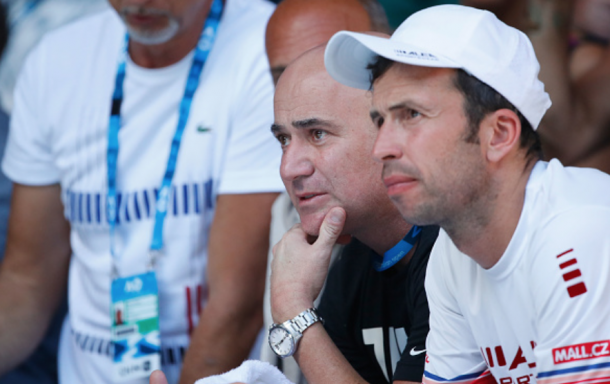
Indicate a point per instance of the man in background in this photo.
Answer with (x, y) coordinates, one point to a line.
(105, 188)
(41, 366)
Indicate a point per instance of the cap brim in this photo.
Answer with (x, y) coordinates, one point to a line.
(348, 54)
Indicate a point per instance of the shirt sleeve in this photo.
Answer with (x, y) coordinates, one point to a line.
(29, 156)
(570, 279)
(253, 155)
(452, 352)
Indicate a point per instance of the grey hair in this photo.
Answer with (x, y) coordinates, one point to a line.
(379, 20)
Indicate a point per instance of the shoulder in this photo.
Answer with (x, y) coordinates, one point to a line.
(68, 49)
(566, 251)
(245, 21)
(568, 207)
(238, 58)
(86, 31)
(555, 188)
(259, 11)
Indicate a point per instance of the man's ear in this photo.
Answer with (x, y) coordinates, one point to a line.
(500, 133)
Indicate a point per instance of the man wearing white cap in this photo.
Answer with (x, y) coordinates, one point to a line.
(519, 278)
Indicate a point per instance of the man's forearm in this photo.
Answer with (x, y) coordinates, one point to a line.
(232, 318)
(34, 272)
(22, 322)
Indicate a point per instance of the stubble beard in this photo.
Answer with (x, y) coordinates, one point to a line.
(448, 205)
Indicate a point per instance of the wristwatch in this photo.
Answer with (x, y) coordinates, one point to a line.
(283, 338)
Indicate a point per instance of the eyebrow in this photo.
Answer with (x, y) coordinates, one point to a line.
(311, 123)
(405, 105)
(375, 114)
(399, 106)
(303, 124)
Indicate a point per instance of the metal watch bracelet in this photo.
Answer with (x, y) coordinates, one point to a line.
(305, 319)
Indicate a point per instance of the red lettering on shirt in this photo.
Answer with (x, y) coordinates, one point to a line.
(519, 359)
(583, 351)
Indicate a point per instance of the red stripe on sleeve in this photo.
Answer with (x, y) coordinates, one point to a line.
(566, 252)
(572, 275)
(577, 289)
(567, 263)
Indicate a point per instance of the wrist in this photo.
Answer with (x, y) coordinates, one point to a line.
(288, 303)
(289, 310)
(284, 337)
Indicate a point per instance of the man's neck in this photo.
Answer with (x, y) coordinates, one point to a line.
(171, 52)
(485, 232)
(384, 233)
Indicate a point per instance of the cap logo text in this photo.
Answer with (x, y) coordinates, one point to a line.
(415, 55)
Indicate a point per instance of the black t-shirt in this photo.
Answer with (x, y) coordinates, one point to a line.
(373, 317)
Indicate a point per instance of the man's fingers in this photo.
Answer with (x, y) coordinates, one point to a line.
(331, 227)
(157, 377)
(293, 236)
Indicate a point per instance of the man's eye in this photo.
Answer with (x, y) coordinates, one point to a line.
(318, 134)
(379, 122)
(283, 139)
(413, 113)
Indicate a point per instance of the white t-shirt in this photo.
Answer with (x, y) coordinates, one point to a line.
(59, 134)
(543, 311)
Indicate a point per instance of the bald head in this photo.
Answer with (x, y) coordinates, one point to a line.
(327, 139)
(297, 26)
(307, 76)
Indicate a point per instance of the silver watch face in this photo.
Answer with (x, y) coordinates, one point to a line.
(281, 341)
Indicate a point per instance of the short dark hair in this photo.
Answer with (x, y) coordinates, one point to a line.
(479, 101)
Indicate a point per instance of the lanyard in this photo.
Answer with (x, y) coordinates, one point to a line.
(201, 54)
(394, 255)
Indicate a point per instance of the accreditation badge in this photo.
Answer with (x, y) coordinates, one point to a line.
(135, 326)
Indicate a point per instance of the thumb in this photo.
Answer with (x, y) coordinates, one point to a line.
(158, 377)
(331, 227)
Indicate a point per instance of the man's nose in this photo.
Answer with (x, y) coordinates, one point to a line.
(388, 144)
(297, 162)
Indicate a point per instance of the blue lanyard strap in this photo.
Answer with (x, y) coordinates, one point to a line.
(206, 41)
(394, 255)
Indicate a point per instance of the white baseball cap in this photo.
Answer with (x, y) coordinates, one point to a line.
(449, 36)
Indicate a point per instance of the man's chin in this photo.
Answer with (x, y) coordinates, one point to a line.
(311, 225)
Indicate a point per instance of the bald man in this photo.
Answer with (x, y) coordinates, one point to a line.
(295, 27)
(374, 305)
